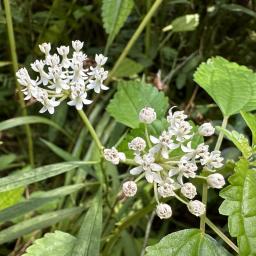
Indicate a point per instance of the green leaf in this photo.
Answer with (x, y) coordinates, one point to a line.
(36, 200)
(10, 198)
(36, 223)
(184, 23)
(240, 141)
(131, 97)
(238, 8)
(88, 239)
(114, 15)
(17, 121)
(230, 85)
(5, 160)
(128, 68)
(240, 207)
(21, 179)
(250, 120)
(187, 242)
(52, 244)
(59, 151)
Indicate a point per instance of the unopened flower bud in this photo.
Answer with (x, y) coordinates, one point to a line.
(196, 207)
(164, 211)
(188, 190)
(216, 180)
(45, 48)
(137, 144)
(206, 129)
(112, 155)
(147, 115)
(166, 190)
(129, 188)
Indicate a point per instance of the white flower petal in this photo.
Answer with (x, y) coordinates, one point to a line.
(136, 170)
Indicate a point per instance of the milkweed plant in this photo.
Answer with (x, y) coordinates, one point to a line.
(170, 161)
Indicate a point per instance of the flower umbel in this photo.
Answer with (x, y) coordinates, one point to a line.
(63, 76)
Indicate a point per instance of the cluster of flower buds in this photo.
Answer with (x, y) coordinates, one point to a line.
(170, 161)
(61, 77)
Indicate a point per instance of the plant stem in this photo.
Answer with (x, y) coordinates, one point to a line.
(180, 199)
(204, 201)
(147, 136)
(221, 134)
(147, 34)
(221, 235)
(90, 129)
(14, 58)
(148, 228)
(134, 37)
(205, 186)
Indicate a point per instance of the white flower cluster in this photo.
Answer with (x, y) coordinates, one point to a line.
(60, 76)
(170, 161)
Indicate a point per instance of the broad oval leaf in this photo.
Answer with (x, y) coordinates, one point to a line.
(131, 97)
(230, 85)
(88, 239)
(53, 244)
(114, 14)
(187, 242)
(240, 207)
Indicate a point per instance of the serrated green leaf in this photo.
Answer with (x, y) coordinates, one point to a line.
(240, 207)
(187, 242)
(131, 97)
(240, 141)
(114, 15)
(38, 222)
(10, 198)
(17, 121)
(230, 85)
(250, 120)
(36, 200)
(88, 239)
(41, 173)
(128, 68)
(52, 244)
(184, 23)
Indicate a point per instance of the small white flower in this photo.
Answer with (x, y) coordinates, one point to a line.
(78, 98)
(129, 188)
(196, 207)
(212, 160)
(63, 50)
(192, 154)
(188, 190)
(164, 211)
(53, 60)
(185, 168)
(137, 144)
(112, 155)
(100, 59)
(216, 180)
(147, 115)
(97, 83)
(175, 117)
(45, 48)
(163, 144)
(77, 45)
(148, 165)
(182, 131)
(206, 129)
(48, 104)
(166, 189)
